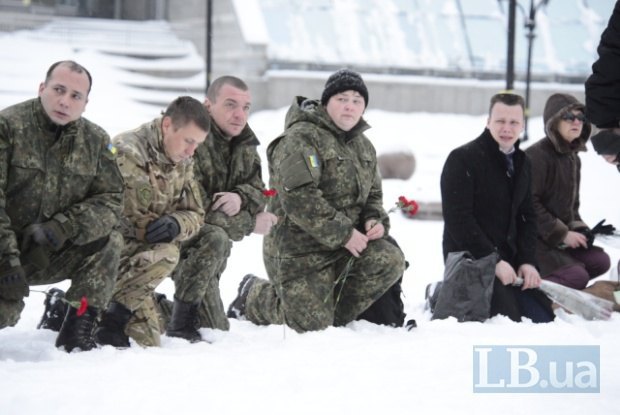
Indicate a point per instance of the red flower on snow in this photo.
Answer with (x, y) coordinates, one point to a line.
(270, 192)
(409, 207)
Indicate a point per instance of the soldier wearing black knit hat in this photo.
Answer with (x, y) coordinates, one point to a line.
(333, 225)
(344, 80)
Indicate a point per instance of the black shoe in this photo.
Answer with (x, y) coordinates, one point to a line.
(184, 321)
(77, 331)
(55, 310)
(111, 328)
(237, 307)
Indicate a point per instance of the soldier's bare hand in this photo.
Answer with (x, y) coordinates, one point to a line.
(357, 243)
(264, 222)
(227, 202)
(374, 229)
(530, 275)
(505, 272)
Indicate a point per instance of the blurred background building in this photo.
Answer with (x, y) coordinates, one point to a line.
(416, 55)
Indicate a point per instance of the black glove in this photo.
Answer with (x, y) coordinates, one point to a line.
(50, 234)
(13, 285)
(37, 256)
(163, 229)
(600, 229)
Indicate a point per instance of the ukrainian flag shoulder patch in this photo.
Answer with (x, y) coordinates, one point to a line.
(111, 152)
(313, 160)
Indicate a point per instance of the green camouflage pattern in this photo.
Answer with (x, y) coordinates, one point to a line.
(197, 277)
(328, 184)
(48, 170)
(223, 165)
(154, 186)
(91, 268)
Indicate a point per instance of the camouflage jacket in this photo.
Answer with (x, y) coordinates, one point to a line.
(223, 165)
(48, 170)
(154, 185)
(327, 183)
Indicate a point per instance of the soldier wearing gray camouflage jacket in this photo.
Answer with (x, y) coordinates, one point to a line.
(162, 208)
(60, 198)
(228, 168)
(327, 257)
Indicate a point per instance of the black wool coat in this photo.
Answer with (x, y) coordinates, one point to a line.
(603, 85)
(485, 208)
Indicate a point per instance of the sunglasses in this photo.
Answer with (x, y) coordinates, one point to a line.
(569, 116)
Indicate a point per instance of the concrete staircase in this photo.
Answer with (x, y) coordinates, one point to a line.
(157, 66)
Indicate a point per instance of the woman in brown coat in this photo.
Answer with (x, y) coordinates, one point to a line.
(564, 248)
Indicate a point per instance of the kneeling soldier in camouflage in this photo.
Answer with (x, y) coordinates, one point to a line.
(162, 208)
(328, 257)
(60, 198)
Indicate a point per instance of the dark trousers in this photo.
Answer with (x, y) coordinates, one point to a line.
(515, 303)
(591, 263)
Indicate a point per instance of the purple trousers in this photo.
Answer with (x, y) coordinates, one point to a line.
(592, 263)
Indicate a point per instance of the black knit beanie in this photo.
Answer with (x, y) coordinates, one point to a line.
(344, 80)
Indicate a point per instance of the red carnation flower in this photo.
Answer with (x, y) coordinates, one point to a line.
(83, 306)
(270, 192)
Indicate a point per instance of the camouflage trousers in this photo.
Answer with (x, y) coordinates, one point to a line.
(197, 278)
(143, 267)
(314, 291)
(92, 269)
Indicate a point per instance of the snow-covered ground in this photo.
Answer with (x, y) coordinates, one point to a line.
(358, 369)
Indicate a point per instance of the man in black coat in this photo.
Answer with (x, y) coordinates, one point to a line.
(603, 92)
(487, 207)
(603, 85)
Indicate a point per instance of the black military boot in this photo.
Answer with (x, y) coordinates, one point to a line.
(55, 310)
(184, 321)
(237, 307)
(111, 328)
(77, 331)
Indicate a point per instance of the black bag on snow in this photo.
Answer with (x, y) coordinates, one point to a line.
(389, 309)
(467, 287)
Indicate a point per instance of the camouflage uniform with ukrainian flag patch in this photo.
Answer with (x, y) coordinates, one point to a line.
(221, 165)
(328, 184)
(67, 173)
(154, 187)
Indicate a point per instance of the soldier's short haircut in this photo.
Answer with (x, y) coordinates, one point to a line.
(184, 110)
(74, 67)
(507, 98)
(214, 88)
